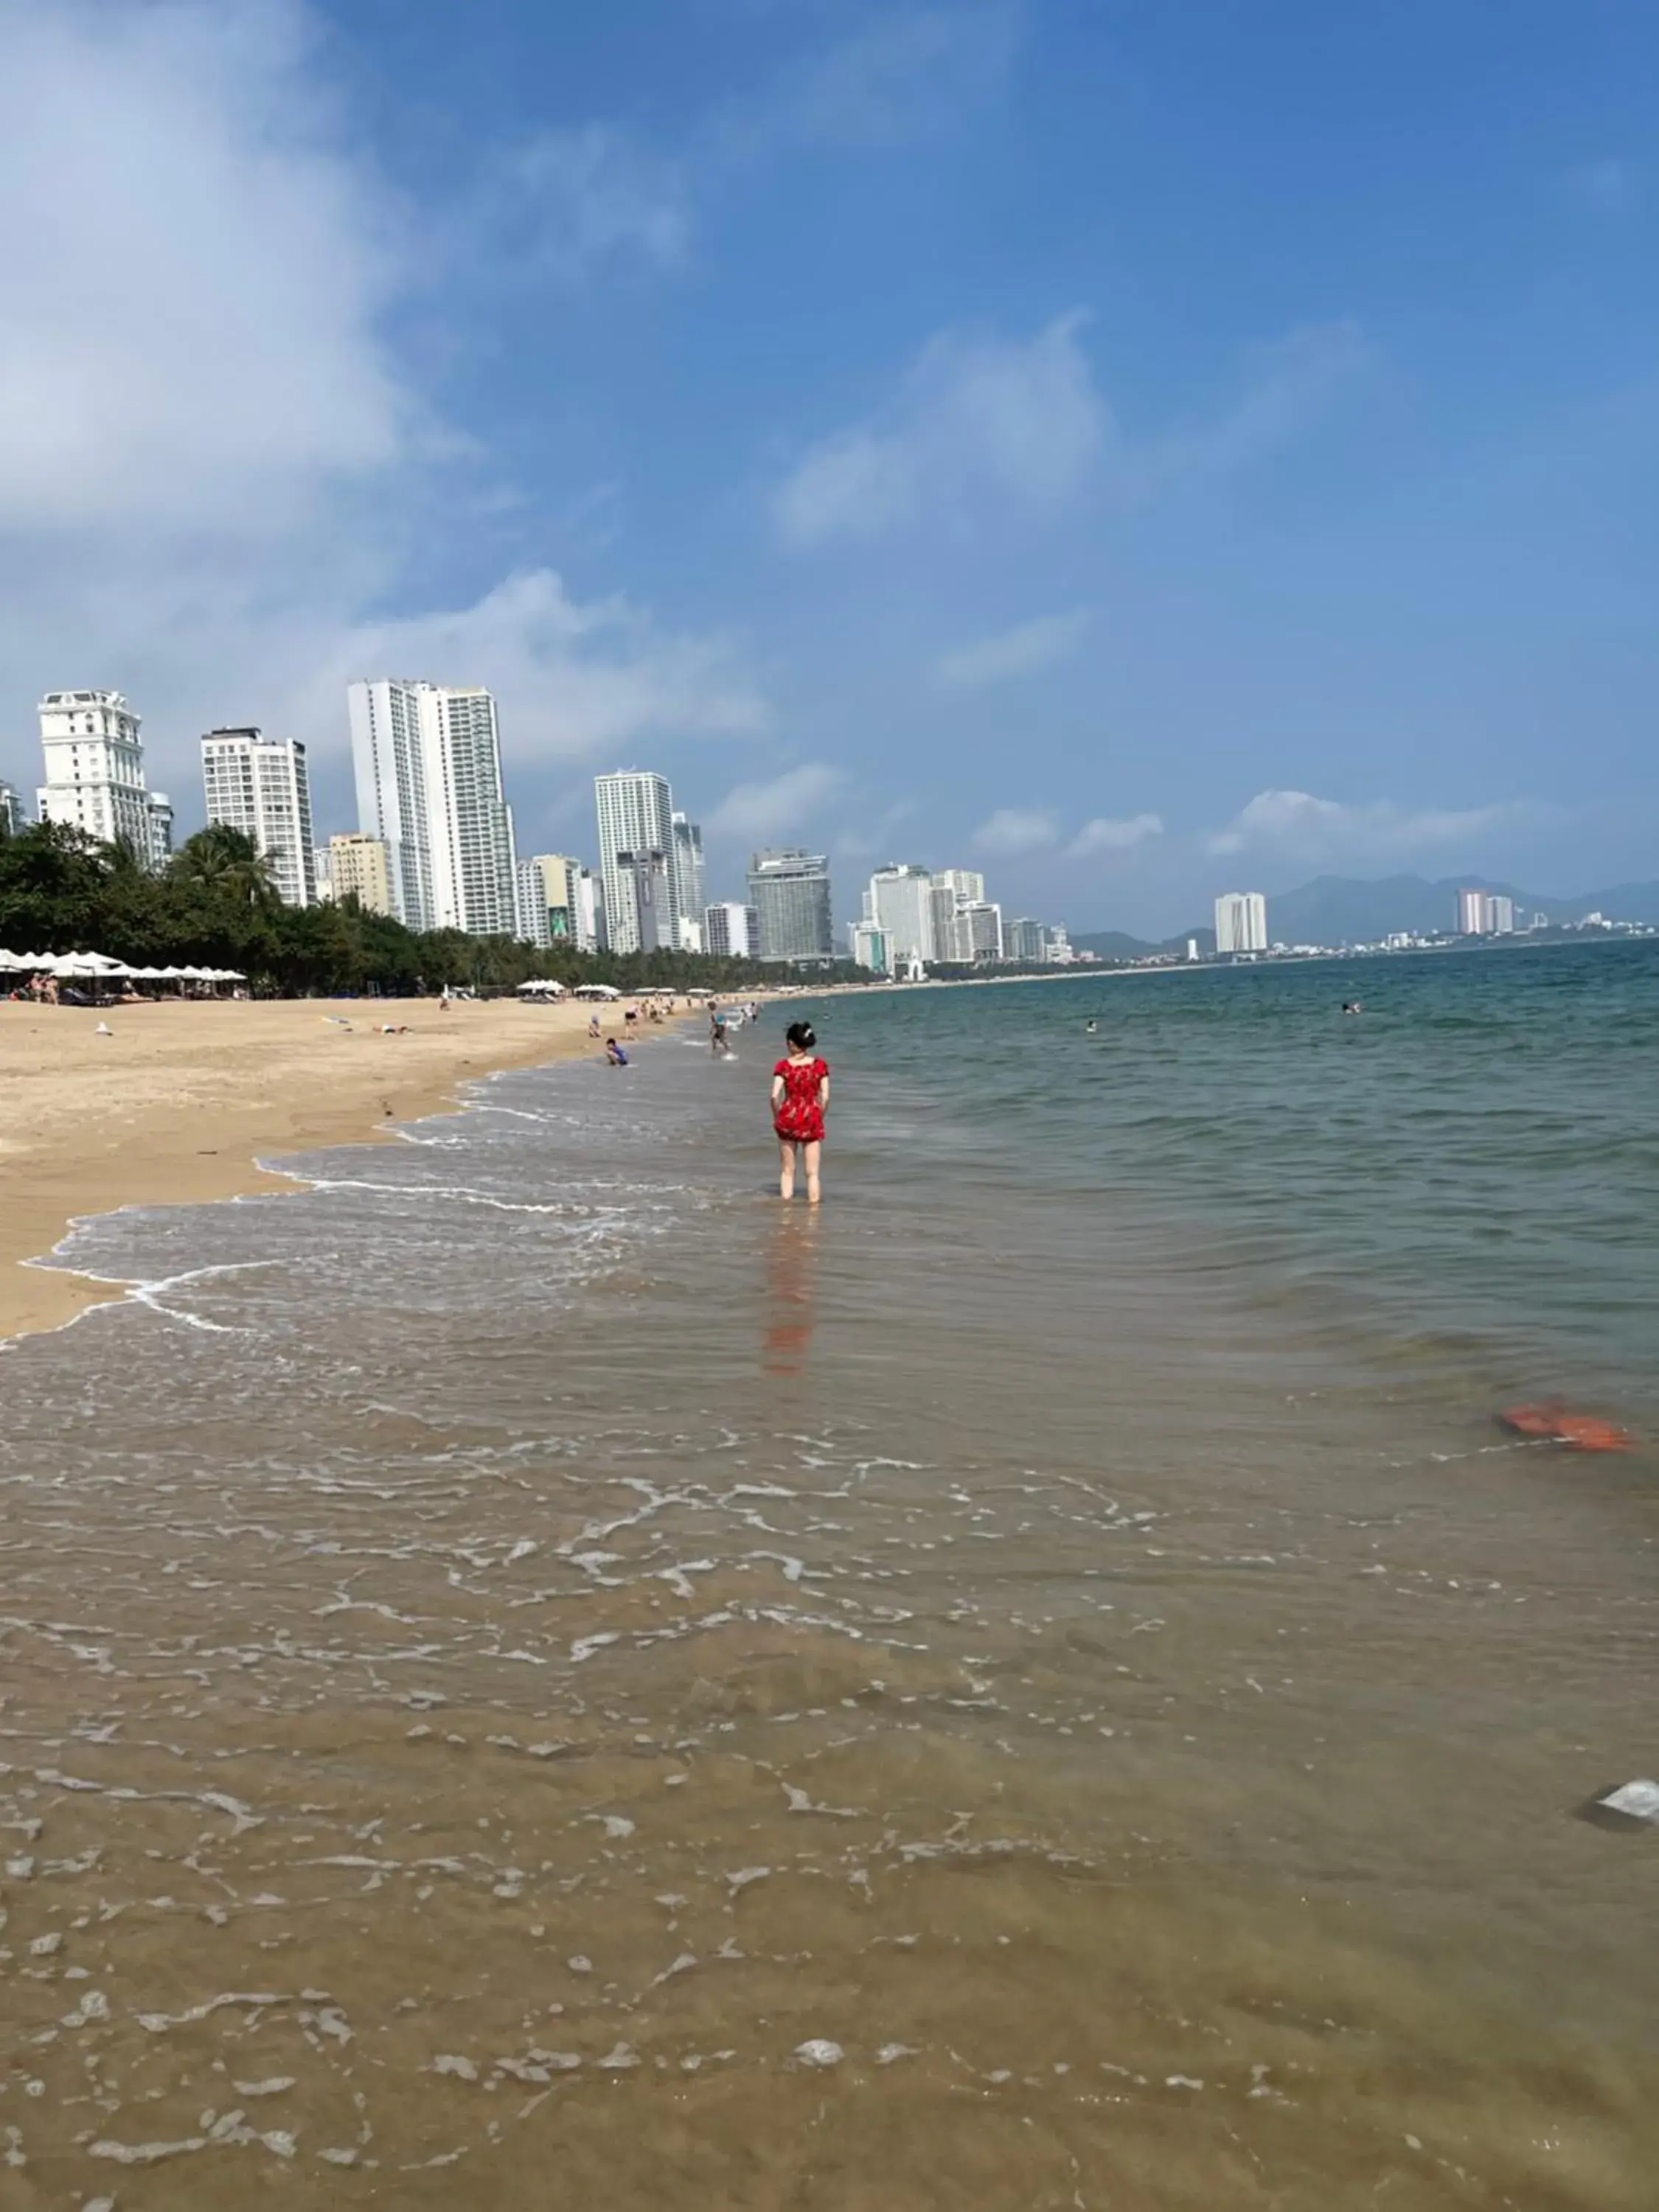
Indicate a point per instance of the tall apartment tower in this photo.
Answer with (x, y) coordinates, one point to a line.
(259, 786)
(900, 902)
(548, 899)
(1241, 922)
(635, 812)
(789, 890)
(689, 895)
(388, 757)
(427, 761)
(730, 931)
(11, 810)
(474, 872)
(95, 764)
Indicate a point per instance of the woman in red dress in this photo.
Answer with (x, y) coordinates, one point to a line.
(800, 1092)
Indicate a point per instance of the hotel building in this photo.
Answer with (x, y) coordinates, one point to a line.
(94, 765)
(259, 786)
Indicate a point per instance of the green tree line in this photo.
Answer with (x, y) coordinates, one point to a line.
(214, 906)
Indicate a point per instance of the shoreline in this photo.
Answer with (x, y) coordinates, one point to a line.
(177, 1105)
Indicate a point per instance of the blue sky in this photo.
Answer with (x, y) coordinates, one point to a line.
(1145, 450)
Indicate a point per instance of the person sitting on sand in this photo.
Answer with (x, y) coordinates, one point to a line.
(614, 1053)
(593, 1027)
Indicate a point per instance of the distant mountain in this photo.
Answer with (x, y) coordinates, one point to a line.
(1341, 910)
(1117, 945)
(1347, 910)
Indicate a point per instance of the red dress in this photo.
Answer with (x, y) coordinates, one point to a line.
(798, 1117)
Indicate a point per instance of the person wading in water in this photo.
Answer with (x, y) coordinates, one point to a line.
(800, 1092)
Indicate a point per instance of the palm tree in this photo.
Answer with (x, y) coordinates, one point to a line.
(223, 860)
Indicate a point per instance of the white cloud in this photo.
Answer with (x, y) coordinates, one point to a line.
(1301, 825)
(900, 73)
(973, 415)
(564, 201)
(1012, 830)
(1104, 834)
(977, 417)
(1287, 385)
(575, 682)
(1021, 651)
(756, 811)
(193, 273)
(213, 462)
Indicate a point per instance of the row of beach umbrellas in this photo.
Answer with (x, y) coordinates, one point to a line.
(98, 967)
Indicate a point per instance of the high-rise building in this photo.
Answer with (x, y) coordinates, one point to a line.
(259, 786)
(730, 931)
(789, 890)
(900, 901)
(976, 932)
(474, 870)
(587, 911)
(869, 948)
(1057, 945)
(428, 758)
(1241, 922)
(531, 925)
(95, 764)
(388, 757)
(360, 867)
(158, 808)
(11, 810)
(1485, 913)
(642, 917)
(688, 896)
(965, 885)
(548, 898)
(1022, 939)
(635, 812)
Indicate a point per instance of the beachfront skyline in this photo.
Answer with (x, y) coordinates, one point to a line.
(1114, 452)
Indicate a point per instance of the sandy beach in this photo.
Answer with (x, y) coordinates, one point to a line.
(177, 1103)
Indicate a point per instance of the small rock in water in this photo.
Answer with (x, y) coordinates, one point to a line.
(817, 2051)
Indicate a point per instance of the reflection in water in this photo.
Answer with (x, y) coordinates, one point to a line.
(791, 1290)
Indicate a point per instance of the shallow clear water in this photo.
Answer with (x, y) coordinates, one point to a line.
(514, 1654)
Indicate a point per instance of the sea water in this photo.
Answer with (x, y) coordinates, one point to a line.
(532, 1673)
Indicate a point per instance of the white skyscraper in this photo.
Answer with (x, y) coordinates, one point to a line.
(636, 811)
(900, 902)
(388, 757)
(428, 767)
(689, 897)
(94, 764)
(259, 786)
(474, 872)
(731, 930)
(587, 917)
(1241, 922)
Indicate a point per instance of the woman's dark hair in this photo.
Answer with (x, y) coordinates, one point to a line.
(801, 1035)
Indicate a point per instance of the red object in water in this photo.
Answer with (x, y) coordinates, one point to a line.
(1553, 1424)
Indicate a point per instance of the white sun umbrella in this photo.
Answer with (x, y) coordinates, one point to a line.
(13, 963)
(88, 964)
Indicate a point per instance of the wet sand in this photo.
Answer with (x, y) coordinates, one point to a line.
(174, 1107)
(582, 1671)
